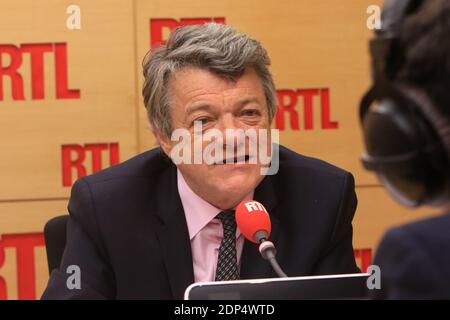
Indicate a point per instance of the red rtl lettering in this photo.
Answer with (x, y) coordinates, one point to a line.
(24, 245)
(219, 20)
(286, 106)
(113, 153)
(157, 26)
(11, 71)
(366, 257)
(156, 30)
(3, 291)
(68, 163)
(308, 95)
(96, 151)
(62, 90)
(325, 105)
(36, 52)
(195, 21)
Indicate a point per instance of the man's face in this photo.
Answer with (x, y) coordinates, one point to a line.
(218, 103)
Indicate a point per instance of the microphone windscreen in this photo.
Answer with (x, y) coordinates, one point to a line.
(251, 217)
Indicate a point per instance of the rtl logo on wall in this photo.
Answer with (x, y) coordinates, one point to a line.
(157, 27)
(24, 246)
(312, 100)
(73, 158)
(11, 61)
(363, 258)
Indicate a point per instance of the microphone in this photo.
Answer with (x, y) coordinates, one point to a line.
(254, 222)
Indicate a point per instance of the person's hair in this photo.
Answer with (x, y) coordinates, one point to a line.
(425, 42)
(217, 48)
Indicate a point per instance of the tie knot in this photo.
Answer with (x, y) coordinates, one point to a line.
(228, 220)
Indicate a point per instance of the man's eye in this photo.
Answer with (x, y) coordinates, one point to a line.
(250, 113)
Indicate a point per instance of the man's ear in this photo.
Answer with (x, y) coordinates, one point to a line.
(163, 141)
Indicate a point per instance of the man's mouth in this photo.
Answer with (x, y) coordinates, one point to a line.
(234, 160)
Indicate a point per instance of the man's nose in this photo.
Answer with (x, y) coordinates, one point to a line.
(232, 132)
(227, 121)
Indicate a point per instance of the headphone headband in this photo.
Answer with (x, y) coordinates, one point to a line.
(394, 12)
(384, 47)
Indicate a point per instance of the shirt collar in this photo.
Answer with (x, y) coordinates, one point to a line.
(198, 212)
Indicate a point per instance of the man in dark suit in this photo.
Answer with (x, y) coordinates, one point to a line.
(149, 227)
(414, 259)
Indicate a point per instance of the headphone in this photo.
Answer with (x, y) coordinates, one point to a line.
(407, 139)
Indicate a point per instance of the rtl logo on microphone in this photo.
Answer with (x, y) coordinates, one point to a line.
(160, 28)
(254, 206)
(74, 158)
(11, 66)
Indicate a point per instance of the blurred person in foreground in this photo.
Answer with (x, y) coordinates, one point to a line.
(406, 124)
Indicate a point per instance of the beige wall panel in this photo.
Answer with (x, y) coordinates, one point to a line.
(312, 44)
(29, 216)
(101, 64)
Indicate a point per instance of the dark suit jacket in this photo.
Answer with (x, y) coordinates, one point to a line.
(414, 260)
(128, 234)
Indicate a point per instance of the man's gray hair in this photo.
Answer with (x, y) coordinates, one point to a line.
(218, 48)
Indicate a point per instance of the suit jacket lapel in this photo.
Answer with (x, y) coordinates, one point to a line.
(253, 266)
(173, 234)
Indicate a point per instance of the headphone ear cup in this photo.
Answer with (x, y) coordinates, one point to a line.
(400, 149)
(387, 131)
